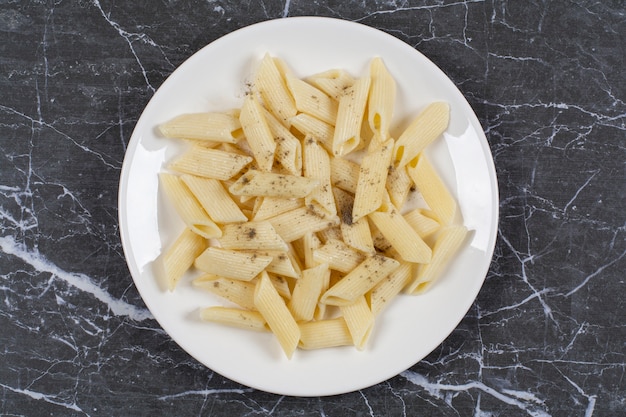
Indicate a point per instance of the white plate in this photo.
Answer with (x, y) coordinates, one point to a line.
(214, 79)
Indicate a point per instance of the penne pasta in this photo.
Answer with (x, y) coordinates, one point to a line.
(272, 206)
(399, 184)
(338, 256)
(231, 264)
(251, 235)
(258, 133)
(422, 131)
(214, 199)
(234, 317)
(360, 280)
(448, 242)
(356, 234)
(310, 126)
(350, 114)
(401, 236)
(422, 224)
(180, 256)
(275, 312)
(433, 190)
(372, 180)
(381, 99)
(270, 83)
(324, 334)
(269, 184)
(317, 167)
(288, 152)
(236, 291)
(360, 321)
(294, 224)
(210, 163)
(334, 82)
(212, 126)
(307, 292)
(188, 207)
(386, 290)
(311, 100)
(344, 174)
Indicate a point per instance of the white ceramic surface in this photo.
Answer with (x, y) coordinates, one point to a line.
(214, 79)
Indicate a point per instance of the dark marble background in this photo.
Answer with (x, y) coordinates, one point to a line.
(547, 334)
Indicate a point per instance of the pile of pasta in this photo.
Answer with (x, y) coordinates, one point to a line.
(295, 205)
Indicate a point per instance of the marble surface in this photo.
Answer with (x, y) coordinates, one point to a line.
(546, 335)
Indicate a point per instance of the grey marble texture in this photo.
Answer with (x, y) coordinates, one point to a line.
(547, 333)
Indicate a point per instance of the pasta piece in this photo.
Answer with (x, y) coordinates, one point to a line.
(213, 126)
(275, 312)
(296, 223)
(270, 83)
(258, 133)
(310, 243)
(386, 290)
(356, 234)
(315, 128)
(288, 153)
(422, 131)
(269, 184)
(433, 189)
(312, 101)
(324, 334)
(360, 280)
(214, 199)
(188, 207)
(307, 292)
(281, 285)
(181, 255)
(272, 206)
(329, 234)
(334, 82)
(344, 174)
(283, 263)
(360, 321)
(235, 317)
(232, 264)
(338, 256)
(251, 235)
(350, 115)
(210, 163)
(317, 167)
(422, 224)
(398, 185)
(233, 290)
(381, 99)
(447, 244)
(401, 235)
(372, 179)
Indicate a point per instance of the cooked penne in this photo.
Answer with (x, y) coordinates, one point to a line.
(235, 317)
(269, 184)
(212, 126)
(283, 263)
(188, 207)
(356, 234)
(386, 290)
(180, 256)
(398, 185)
(214, 199)
(422, 224)
(317, 167)
(311, 100)
(324, 334)
(234, 290)
(333, 82)
(344, 174)
(360, 321)
(275, 312)
(360, 280)
(231, 264)
(258, 133)
(338, 256)
(422, 131)
(270, 83)
(347, 136)
(288, 152)
(310, 243)
(433, 189)
(296, 223)
(401, 235)
(281, 285)
(307, 291)
(251, 235)
(210, 163)
(273, 206)
(372, 179)
(310, 126)
(448, 242)
(381, 99)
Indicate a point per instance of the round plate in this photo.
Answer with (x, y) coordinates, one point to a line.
(215, 79)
